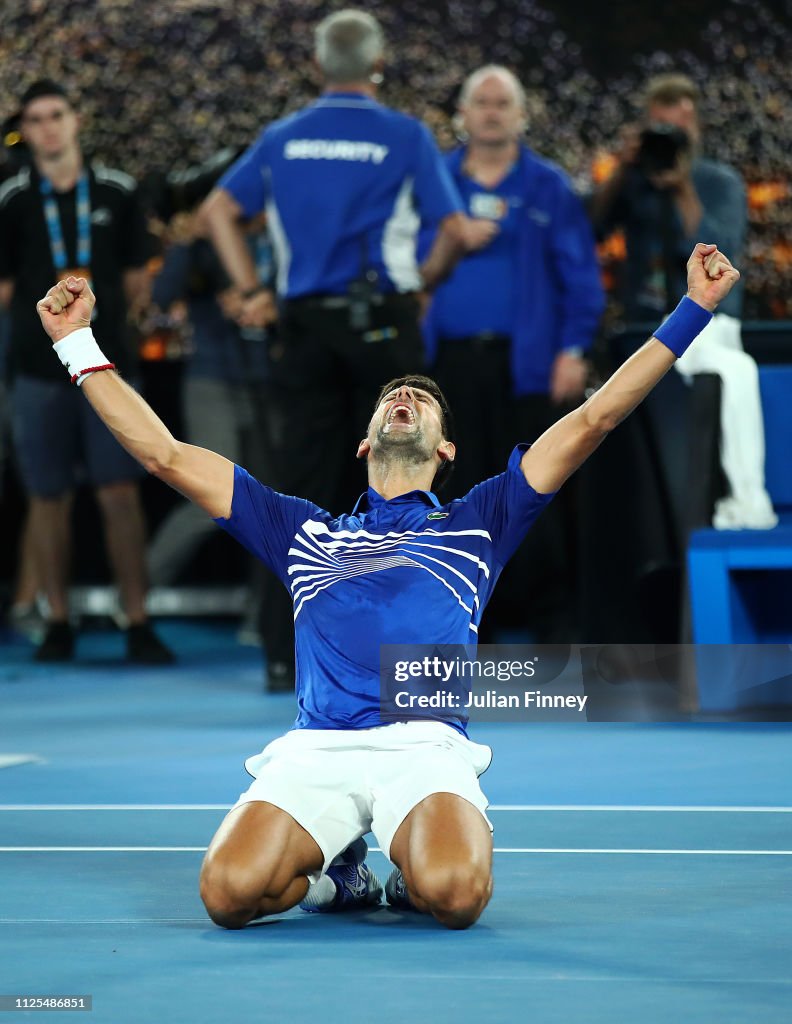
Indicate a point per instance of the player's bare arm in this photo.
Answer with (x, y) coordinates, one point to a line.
(200, 475)
(570, 441)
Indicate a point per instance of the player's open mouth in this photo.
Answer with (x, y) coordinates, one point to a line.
(400, 413)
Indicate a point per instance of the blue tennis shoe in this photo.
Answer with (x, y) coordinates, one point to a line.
(348, 884)
(396, 891)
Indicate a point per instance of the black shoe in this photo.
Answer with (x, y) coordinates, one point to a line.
(58, 643)
(144, 647)
(279, 677)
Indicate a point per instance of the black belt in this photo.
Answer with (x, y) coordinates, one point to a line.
(343, 301)
(483, 340)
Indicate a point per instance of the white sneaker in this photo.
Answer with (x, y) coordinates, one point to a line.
(734, 514)
(27, 621)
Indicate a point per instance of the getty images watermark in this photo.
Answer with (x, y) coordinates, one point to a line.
(568, 682)
(437, 681)
(453, 681)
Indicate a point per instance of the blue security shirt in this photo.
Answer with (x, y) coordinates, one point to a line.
(482, 297)
(555, 294)
(404, 571)
(345, 183)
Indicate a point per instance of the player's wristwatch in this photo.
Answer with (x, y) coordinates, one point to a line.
(249, 293)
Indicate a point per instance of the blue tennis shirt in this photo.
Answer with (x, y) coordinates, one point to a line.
(404, 571)
(346, 184)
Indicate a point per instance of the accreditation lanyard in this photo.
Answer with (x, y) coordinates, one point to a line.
(52, 217)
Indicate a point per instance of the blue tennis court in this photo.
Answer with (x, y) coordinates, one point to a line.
(642, 872)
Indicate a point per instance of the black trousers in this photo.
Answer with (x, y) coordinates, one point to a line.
(326, 378)
(534, 590)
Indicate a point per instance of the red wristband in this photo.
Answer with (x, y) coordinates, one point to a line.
(92, 369)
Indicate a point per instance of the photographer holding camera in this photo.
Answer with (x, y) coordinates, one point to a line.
(664, 194)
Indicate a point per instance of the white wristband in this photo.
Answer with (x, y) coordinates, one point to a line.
(81, 356)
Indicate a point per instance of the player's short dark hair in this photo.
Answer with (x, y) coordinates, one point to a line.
(42, 87)
(416, 380)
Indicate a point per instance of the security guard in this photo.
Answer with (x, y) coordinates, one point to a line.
(345, 184)
(511, 325)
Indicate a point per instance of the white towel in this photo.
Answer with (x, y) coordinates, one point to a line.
(718, 349)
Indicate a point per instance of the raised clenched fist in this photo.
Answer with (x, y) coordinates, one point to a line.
(710, 276)
(66, 307)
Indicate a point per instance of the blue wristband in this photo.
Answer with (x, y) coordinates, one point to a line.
(684, 325)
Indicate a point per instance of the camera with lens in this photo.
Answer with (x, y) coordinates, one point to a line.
(661, 147)
(181, 191)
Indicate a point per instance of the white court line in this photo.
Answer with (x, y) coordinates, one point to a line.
(643, 808)
(115, 807)
(103, 920)
(103, 849)
(621, 808)
(376, 849)
(14, 760)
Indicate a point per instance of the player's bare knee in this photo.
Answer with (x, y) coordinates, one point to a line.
(461, 909)
(217, 896)
(460, 920)
(232, 920)
(454, 893)
(222, 909)
(230, 893)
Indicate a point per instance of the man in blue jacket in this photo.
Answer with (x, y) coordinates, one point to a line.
(509, 329)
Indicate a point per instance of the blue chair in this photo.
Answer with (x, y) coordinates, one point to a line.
(741, 582)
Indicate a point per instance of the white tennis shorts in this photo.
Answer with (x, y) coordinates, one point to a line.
(341, 784)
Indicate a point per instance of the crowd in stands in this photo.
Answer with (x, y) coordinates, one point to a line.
(163, 86)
